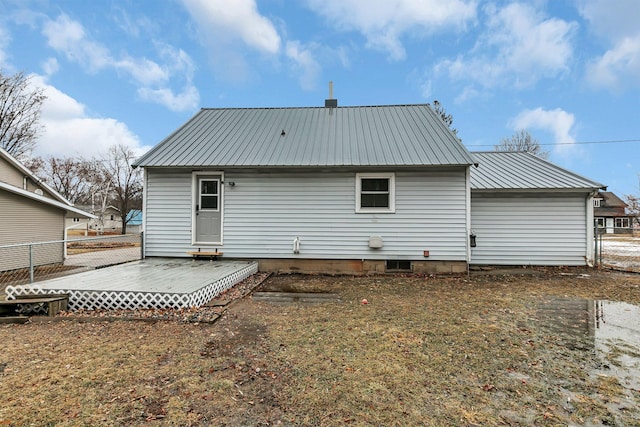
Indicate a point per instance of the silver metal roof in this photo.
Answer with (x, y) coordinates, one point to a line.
(396, 135)
(500, 170)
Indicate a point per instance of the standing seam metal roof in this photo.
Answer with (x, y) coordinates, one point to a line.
(394, 135)
(501, 170)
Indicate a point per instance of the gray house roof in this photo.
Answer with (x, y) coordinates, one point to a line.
(500, 170)
(397, 135)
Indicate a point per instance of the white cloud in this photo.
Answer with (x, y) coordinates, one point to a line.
(611, 19)
(50, 66)
(383, 23)
(5, 38)
(518, 47)
(618, 67)
(182, 101)
(69, 37)
(235, 20)
(557, 122)
(69, 131)
(304, 62)
(142, 70)
(616, 21)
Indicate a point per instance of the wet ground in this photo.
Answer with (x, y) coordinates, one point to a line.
(609, 329)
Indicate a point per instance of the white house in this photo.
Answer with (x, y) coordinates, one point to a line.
(331, 189)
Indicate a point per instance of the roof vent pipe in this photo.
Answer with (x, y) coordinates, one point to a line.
(330, 102)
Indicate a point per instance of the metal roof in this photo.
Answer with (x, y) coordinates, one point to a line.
(502, 170)
(394, 135)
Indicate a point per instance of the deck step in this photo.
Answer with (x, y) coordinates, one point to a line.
(36, 304)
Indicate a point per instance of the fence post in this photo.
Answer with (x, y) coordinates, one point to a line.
(30, 263)
(600, 235)
(142, 245)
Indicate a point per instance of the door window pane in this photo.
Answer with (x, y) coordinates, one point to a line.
(209, 194)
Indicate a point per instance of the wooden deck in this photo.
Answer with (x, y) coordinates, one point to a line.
(148, 283)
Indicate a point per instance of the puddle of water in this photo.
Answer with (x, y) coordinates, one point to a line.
(608, 329)
(611, 329)
(617, 340)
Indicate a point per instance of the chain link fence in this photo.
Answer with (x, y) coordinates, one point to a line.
(617, 248)
(30, 262)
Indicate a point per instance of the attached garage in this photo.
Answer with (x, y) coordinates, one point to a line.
(527, 211)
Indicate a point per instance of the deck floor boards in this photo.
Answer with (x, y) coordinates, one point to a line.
(168, 279)
(164, 275)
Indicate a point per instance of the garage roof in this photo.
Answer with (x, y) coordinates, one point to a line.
(502, 170)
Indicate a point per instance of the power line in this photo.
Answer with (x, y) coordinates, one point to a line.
(612, 141)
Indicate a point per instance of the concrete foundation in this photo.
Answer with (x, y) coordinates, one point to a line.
(341, 266)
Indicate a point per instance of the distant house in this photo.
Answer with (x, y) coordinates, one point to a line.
(134, 221)
(31, 211)
(356, 189)
(610, 214)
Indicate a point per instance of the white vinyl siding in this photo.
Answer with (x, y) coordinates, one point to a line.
(529, 229)
(168, 213)
(265, 212)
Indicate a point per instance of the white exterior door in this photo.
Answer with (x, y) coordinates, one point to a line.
(208, 210)
(609, 224)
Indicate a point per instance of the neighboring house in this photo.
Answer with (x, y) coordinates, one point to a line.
(528, 211)
(610, 214)
(108, 220)
(30, 211)
(328, 189)
(134, 221)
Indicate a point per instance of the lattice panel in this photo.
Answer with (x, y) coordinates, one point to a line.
(115, 300)
(206, 294)
(15, 291)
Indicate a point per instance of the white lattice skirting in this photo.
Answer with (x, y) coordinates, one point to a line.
(115, 300)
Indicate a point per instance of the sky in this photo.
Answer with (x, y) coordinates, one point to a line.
(132, 71)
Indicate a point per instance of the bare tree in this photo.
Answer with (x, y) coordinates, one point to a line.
(633, 203)
(125, 181)
(522, 141)
(446, 118)
(19, 114)
(72, 177)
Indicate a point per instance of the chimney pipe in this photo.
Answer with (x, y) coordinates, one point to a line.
(330, 102)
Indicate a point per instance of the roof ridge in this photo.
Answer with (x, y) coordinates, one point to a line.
(314, 107)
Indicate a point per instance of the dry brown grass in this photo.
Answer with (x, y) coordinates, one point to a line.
(424, 351)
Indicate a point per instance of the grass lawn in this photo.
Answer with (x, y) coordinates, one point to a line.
(435, 351)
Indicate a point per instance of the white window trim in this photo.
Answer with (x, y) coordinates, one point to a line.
(392, 192)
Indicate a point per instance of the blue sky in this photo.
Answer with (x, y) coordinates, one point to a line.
(132, 71)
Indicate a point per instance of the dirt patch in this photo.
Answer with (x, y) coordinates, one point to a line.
(426, 350)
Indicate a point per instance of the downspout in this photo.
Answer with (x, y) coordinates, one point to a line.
(590, 255)
(144, 213)
(468, 214)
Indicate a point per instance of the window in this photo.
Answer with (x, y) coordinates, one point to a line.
(398, 265)
(600, 222)
(375, 193)
(621, 222)
(596, 203)
(209, 194)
